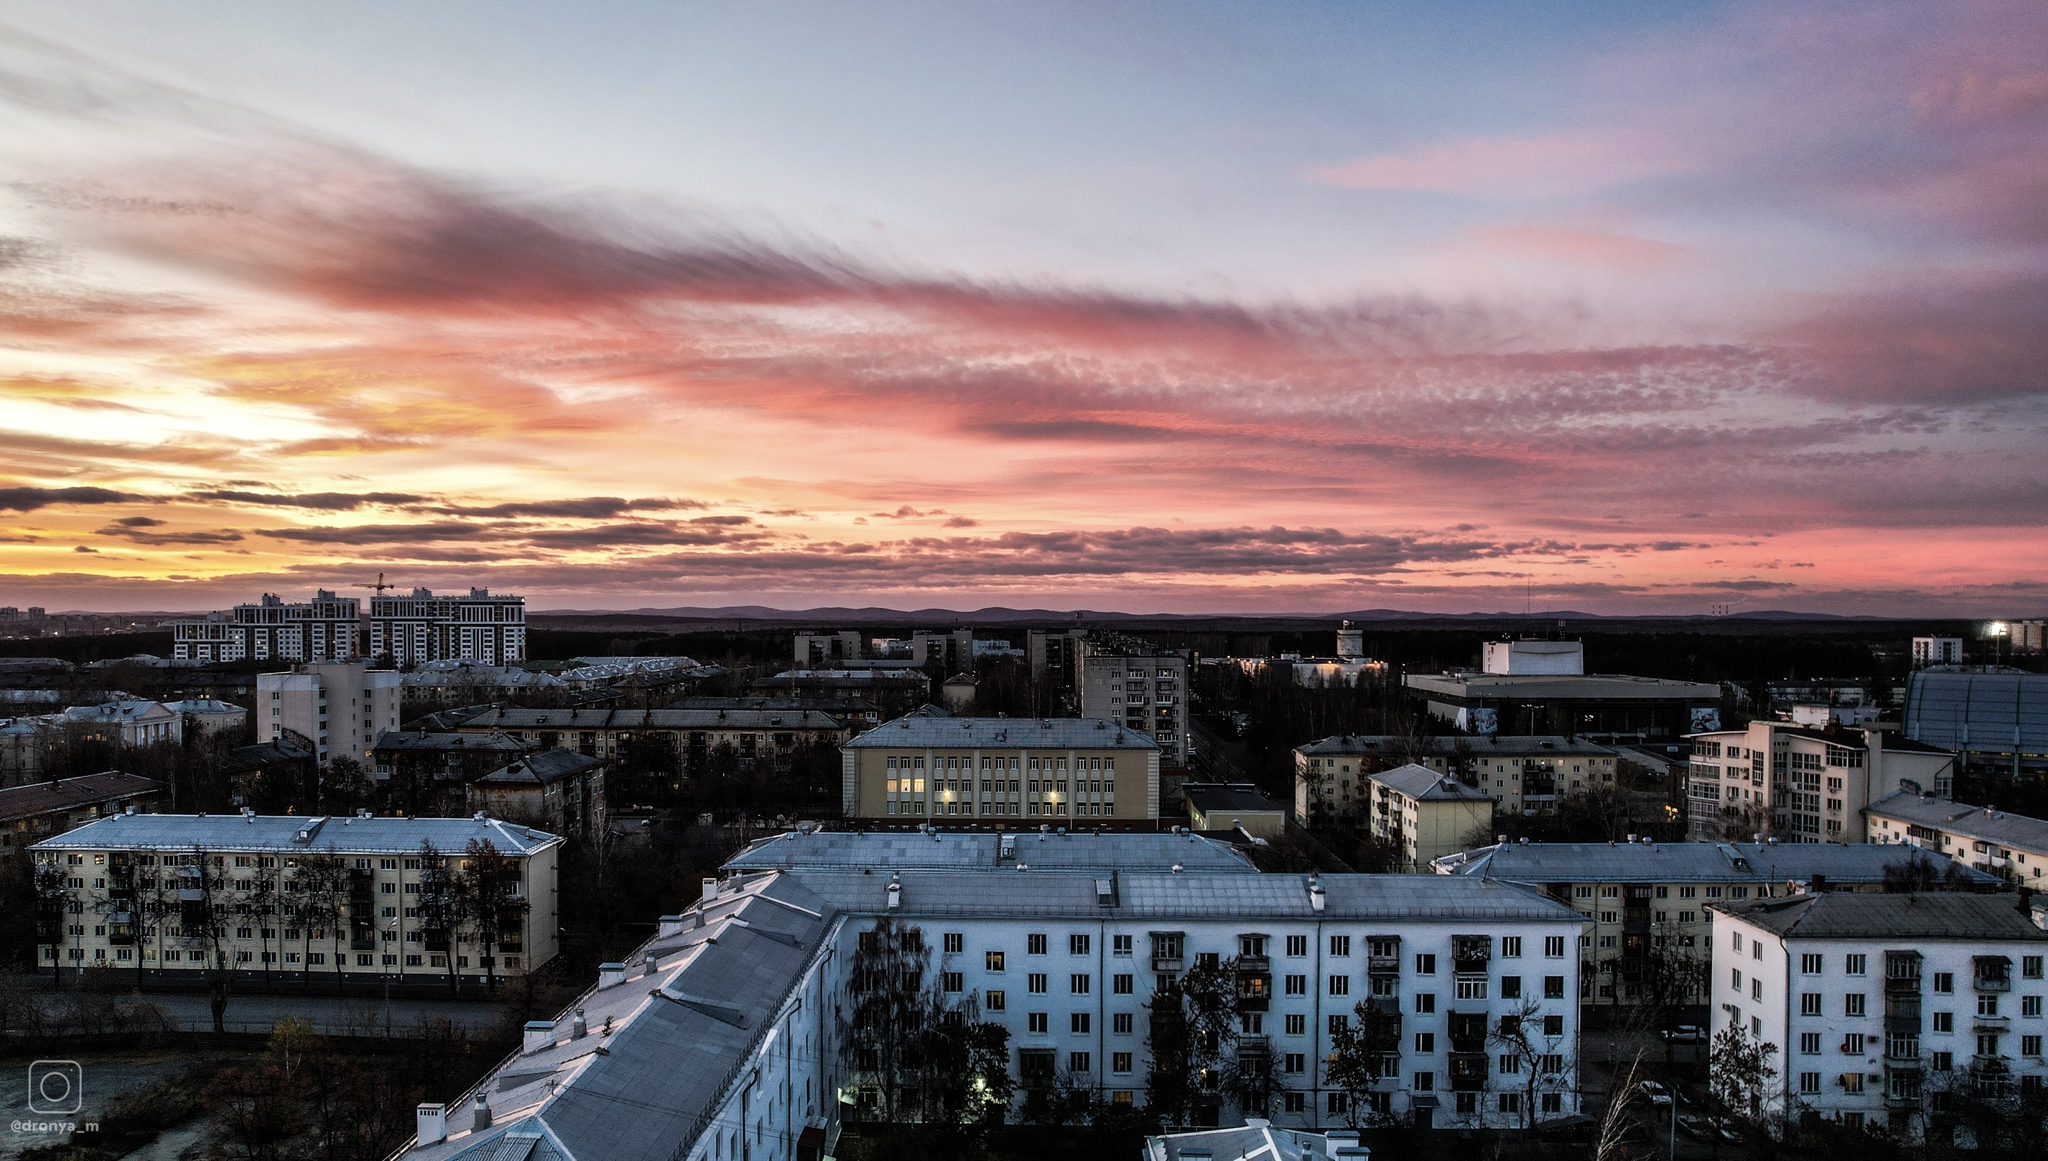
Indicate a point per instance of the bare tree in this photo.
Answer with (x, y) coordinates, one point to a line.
(1540, 1055)
(1359, 1058)
(440, 909)
(487, 891)
(322, 884)
(1611, 1142)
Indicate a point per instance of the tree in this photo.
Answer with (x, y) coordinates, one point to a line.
(911, 1054)
(487, 894)
(1740, 1071)
(1193, 1018)
(1540, 1057)
(322, 884)
(440, 908)
(203, 918)
(1918, 873)
(1359, 1059)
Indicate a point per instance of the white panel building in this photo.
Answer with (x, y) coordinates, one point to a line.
(421, 627)
(326, 628)
(339, 707)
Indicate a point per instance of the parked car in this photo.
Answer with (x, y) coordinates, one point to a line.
(1686, 1034)
(1658, 1094)
(1698, 1128)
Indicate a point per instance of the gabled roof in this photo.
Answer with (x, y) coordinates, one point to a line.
(542, 768)
(426, 742)
(1940, 915)
(918, 732)
(280, 832)
(1426, 785)
(508, 717)
(963, 851)
(262, 754)
(1860, 863)
(65, 794)
(2001, 827)
(1505, 746)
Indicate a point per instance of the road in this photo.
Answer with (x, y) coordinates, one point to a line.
(329, 1015)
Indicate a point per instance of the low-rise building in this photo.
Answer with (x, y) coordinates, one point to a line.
(316, 903)
(1065, 769)
(1805, 785)
(40, 810)
(1256, 1140)
(1426, 815)
(1650, 939)
(1886, 1011)
(932, 849)
(892, 691)
(204, 715)
(721, 1028)
(2012, 846)
(1230, 805)
(1599, 707)
(426, 772)
(1523, 774)
(128, 721)
(754, 738)
(558, 790)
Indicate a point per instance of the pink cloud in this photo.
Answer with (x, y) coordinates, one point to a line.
(1620, 253)
(1507, 168)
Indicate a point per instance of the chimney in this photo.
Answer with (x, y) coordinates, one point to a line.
(611, 975)
(710, 888)
(483, 1112)
(671, 925)
(579, 1027)
(1817, 884)
(432, 1125)
(539, 1034)
(895, 892)
(1337, 1139)
(2026, 903)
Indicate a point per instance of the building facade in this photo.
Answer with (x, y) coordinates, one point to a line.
(40, 810)
(1140, 687)
(415, 629)
(1524, 775)
(1597, 707)
(755, 738)
(330, 901)
(1799, 783)
(326, 628)
(1887, 1011)
(1650, 937)
(2012, 846)
(337, 707)
(1066, 769)
(1426, 815)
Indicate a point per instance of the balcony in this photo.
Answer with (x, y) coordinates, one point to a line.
(1991, 1023)
(1909, 1099)
(1902, 1054)
(1992, 983)
(1168, 963)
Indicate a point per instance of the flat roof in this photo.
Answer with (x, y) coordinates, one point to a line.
(1579, 687)
(280, 832)
(1940, 915)
(1229, 798)
(940, 850)
(1002, 733)
(1703, 862)
(2002, 827)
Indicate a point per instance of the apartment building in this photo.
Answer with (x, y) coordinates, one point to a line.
(1426, 815)
(560, 791)
(326, 628)
(1886, 1010)
(1937, 651)
(719, 1032)
(819, 650)
(421, 627)
(1802, 784)
(1524, 775)
(336, 707)
(1063, 769)
(320, 902)
(38, 810)
(2012, 846)
(1650, 934)
(755, 737)
(1139, 686)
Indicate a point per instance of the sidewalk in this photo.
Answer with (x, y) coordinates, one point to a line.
(329, 1015)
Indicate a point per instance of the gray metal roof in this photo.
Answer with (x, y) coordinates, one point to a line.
(84, 790)
(1931, 915)
(1505, 745)
(430, 742)
(1690, 862)
(1257, 1141)
(541, 768)
(896, 850)
(504, 717)
(1426, 785)
(1003, 733)
(1586, 687)
(1978, 822)
(1149, 895)
(280, 832)
(1959, 709)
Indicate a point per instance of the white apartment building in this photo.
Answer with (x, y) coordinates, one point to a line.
(1937, 651)
(1802, 784)
(1524, 775)
(1139, 687)
(2012, 846)
(1885, 1009)
(415, 629)
(721, 1027)
(138, 888)
(1650, 937)
(338, 707)
(326, 628)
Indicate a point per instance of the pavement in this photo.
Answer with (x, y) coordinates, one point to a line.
(329, 1015)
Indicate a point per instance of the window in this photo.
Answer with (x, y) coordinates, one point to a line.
(1511, 947)
(1854, 1004)
(2030, 1005)
(2030, 966)
(1471, 987)
(956, 942)
(1425, 1002)
(1077, 945)
(951, 982)
(2030, 1046)
(1337, 1024)
(1511, 987)
(1553, 987)
(1079, 983)
(1297, 946)
(1809, 1082)
(1294, 1062)
(1297, 1024)
(1856, 965)
(1510, 1064)
(1120, 1023)
(1987, 1043)
(992, 961)
(1340, 985)
(1553, 947)
(1511, 1102)
(1077, 1023)
(1036, 1023)
(1944, 981)
(1078, 1062)
(1119, 1062)
(1340, 945)
(1756, 989)
(1809, 964)
(1121, 985)
(1425, 965)
(1425, 1042)
(994, 1001)
(1297, 985)
(1035, 983)
(1944, 1021)
(1809, 1003)
(1294, 1102)
(1034, 944)
(1987, 1005)
(1942, 1061)
(1809, 1044)
(1735, 978)
(1120, 945)
(1424, 1082)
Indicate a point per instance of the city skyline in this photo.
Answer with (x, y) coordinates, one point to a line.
(1153, 309)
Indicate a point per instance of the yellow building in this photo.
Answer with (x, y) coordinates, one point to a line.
(1053, 769)
(1427, 814)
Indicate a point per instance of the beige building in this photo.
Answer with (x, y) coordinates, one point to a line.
(1230, 805)
(1802, 784)
(1998, 842)
(40, 810)
(1524, 775)
(139, 890)
(1426, 814)
(338, 707)
(1142, 688)
(1052, 769)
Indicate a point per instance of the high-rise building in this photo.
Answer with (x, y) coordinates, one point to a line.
(338, 707)
(1803, 784)
(326, 628)
(1139, 686)
(415, 629)
(1937, 651)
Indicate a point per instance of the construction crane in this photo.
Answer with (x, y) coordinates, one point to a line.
(380, 586)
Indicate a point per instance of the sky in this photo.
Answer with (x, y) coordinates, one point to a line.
(1174, 307)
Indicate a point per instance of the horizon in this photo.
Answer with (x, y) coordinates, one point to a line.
(1183, 310)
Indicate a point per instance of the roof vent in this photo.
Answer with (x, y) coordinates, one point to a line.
(483, 1112)
(1315, 891)
(895, 891)
(1177, 868)
(1524, 840)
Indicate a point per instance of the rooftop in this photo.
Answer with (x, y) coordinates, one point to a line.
(281, 832)
(508, 717)
(1256, 1140)
(943, 850)
(1008, 733)
(1229, 798)
(1589, 686)
(1691, 862)
(1426, 785)
(84, 790)
(1959, 709)
(1942, 916)
(435, 742)
(1506, 745)
(542, 768)
(1978, 822)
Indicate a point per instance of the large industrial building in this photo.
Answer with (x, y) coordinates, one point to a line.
(1996, 719)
